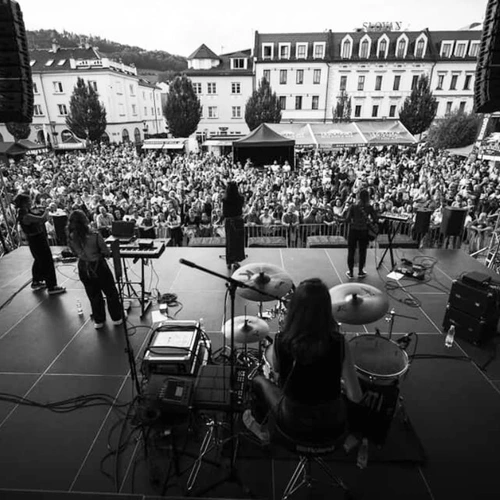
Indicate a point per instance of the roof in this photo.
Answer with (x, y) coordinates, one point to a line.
(263, 135)
(203, 52)
(60, 58)
(224, 66)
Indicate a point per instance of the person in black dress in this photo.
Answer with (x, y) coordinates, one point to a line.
(232, 211)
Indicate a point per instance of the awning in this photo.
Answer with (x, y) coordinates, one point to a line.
(218, 142)
(164, 144)
(337, 135)
(464, 151)
(69, 146)
(301, 133)
(384, 132)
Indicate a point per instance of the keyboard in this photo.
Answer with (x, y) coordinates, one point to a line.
(394, 217)
(142, 252)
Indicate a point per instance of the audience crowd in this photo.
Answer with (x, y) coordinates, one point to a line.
(179, 196)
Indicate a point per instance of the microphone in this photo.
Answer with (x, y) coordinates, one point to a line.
(187, 262)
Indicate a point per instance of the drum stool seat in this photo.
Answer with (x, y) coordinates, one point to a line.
(308, 452)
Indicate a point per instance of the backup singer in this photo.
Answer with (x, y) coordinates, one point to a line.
(359, 216)
(94, 272)
(311, 359)
(232, 210)
(33, 226)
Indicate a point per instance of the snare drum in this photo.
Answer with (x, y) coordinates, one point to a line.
(378, 360)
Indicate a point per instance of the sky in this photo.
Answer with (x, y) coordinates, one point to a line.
(181, 26)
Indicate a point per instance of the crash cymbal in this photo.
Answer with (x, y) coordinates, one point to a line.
(266, 278)
(247, 329)
(358, 304)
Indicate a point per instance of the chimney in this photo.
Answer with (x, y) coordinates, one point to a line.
(55, 45)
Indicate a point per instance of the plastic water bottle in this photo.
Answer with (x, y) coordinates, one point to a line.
(450, 336)
(79, 308)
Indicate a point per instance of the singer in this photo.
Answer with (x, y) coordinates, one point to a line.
(232, 211)
(93, 270)
(311, 358)
(33, 226)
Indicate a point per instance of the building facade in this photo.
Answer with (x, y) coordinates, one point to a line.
(133, 105)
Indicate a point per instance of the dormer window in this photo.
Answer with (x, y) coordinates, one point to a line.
(267, 51)
(473, 49)
(364, 47)
(382, 47)
(446, 49)
(460, 49)
(301, 50)
(420, 47)
(319, 50)
(284, 50)
(239, 63)
(346, 48)
(401, 47)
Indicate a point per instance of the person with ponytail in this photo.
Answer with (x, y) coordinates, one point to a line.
(93, 270)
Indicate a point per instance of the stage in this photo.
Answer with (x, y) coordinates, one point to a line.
(49, 353)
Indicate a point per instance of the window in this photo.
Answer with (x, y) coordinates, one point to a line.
(298, 102)
(446, 49)
(301, 50)
(152, 111)
(468, 79)
(414, 82)
(211, 88)
(346, 49)
(58, 88)
(32, 62)
(300, 77)
(315, 102)
(134, 109)
(343, 82)
(461, 107)
(63, 110)
(361, 82)
(132, 91)
(378, 82)
(357, 111)
(282, 102)
(397, 82)
(419, 50)
(284, 51)
(267, 51)
(145, 110)
(400, 52)
(461, 49)
(267, 74)
(283, 76)
(453, 84)
(375, 111)
(440, 82)
(392, 111)
(363, 51)
(448, 107)
(239, 63)
(197, 87)
(235, 88)
(212, 111)
(319, 50)
(37, 110)
(93, 85)
(382, 48)
(474, 49)
(35, 88)
(49, 62)
(317, 76)
(61, 62)
(236, 111)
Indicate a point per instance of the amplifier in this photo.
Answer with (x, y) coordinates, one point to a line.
(470, 328)
(478, 302)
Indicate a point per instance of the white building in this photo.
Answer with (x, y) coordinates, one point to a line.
(133, 105)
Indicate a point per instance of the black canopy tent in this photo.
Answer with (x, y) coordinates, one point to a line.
(263, 146)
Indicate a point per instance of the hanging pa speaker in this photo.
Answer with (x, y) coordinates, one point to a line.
(16, 85)
(453, 221)
(487, 81)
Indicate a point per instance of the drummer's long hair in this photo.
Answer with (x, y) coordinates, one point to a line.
(309, 324)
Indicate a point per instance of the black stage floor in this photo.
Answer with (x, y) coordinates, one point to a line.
(48, 353)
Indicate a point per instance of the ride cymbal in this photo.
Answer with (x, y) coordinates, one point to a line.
(358, 304)
(266, 278)
(247, 329)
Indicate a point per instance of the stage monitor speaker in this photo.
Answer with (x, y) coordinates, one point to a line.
(16, 84)
(422, 221)
(478, 302)
(469, 328)
(453, 221)
(487, 81)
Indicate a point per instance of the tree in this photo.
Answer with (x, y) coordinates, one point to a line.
(183, 109)
(342, 110)
(87, 116)
(454, 131)
(18, 130)
(419, 109)
(263, 106)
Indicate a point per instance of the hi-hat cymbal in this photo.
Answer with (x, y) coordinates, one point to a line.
(247, 329)
(266, 278)
(358, 304)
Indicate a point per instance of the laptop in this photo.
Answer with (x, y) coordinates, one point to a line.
(123, 231)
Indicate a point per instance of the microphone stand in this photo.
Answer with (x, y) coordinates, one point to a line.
(392, 314)
(232, 284)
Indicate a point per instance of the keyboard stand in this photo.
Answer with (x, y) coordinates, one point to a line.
(143, 298)
(393, 230)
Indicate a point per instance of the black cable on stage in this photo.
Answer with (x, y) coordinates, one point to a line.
(11, 298)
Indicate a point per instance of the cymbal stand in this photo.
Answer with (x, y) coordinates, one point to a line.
(232, 474)
(390, 319)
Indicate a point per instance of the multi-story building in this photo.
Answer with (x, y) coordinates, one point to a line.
(375, 69)
(223, 84)
(133, 105)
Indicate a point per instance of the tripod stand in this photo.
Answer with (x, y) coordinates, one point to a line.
(232, 475)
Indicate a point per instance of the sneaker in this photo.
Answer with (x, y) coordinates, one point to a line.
(349, 275)
(38, 285)
(98, 326)
(57, 289)
(253, 426)
(117, 322)
(362, 274)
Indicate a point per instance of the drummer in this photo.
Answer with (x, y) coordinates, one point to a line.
(312, 360)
